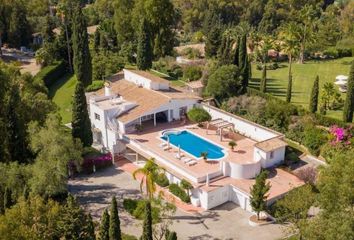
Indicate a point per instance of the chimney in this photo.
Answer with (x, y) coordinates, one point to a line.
(107, 89)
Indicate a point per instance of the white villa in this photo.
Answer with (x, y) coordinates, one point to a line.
(140, 116)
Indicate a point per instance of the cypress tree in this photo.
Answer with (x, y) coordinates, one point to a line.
(82, 57)
(81, 125)
(96, 40)
(289, 89)
(349, 101)
(263, 84)
(237, 52)
(258, 193)
(2, 207)
(213, 41)
(314, 96)
(224, 52)
(114, 223)
(144, 51)
(147, 225)
(104, 227)
(90, 228)
(243, 63)
(172, 236)
(15, 128)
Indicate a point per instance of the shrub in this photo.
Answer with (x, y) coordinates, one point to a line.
(198, 37)
(162, 180)
(99, 161)
(175, 71)
(192, 73)
(191, 53)
(198, 115)
(179, 192)
(344, 52)
(136, 208)
(95, 86)
(314, 138)
(331, 52)
(130, 205)
(50, 74)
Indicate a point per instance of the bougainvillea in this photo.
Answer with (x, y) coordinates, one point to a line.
(341, 135)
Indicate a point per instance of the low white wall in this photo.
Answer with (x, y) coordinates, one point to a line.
(245, 171)
(243, 126)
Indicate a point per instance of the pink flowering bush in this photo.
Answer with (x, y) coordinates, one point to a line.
(99, 161)
(341, 136)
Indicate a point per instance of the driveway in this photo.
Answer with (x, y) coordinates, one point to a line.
(225, 222)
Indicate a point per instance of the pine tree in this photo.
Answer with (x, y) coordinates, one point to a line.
(147, 225)
(104, 227)
(144, 51)
(172, 236)
(114, 223)
(258, 193)
(81, 125)
(82, 57)
(289, 89)
(263, 84)
(314, 96)
(349, 101)
(7, 198)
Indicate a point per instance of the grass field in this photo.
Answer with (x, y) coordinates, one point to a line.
(62, 93)
(303, 77)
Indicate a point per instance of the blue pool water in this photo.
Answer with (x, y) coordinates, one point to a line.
(193, 144)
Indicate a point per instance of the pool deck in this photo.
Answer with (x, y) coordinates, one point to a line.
(150, 139)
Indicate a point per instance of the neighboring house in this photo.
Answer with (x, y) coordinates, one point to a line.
(139, 116)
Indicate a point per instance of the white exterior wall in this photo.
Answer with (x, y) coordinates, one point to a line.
(144, 82)
(245, 171)
(264, 157)
(248, 129)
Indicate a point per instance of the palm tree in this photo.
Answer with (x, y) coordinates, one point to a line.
(204, 155)
(150, 172)
(289, 37)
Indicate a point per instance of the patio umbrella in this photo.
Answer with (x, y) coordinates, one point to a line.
(168, 142)
(179, 150)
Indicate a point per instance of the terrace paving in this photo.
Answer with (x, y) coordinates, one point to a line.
(150, 139)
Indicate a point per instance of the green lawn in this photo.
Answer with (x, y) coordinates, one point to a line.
(303, 77)
(61, 93)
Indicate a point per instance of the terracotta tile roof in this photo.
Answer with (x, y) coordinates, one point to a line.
(271, 144)
(149, 76)
(146, 100)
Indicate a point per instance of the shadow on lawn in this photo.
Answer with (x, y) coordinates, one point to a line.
(58, 84)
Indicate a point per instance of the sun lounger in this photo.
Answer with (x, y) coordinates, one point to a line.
(191, 163)
(186, 160)
(166, 148)
(179, 156)
(163, 145)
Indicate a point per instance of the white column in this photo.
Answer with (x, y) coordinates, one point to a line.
(139, 120)
(154, 119)
(168, 115)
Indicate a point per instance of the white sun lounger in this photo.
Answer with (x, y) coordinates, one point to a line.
(191, 163)
(186, 160)
(163, 145)
(166, 148)
(179, 156)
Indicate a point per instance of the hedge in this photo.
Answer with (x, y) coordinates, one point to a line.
(136, 208)
(96, 85)
(50, 74)
(179, 192)
(198, 115)
(320, 119)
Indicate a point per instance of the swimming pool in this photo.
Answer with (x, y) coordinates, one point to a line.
(193, 144)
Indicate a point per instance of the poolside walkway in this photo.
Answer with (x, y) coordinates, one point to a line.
(127, 166)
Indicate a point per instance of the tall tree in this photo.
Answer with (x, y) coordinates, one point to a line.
(263, 84)
(147, 225)
(7, 198)
(349, 101)
(225, 51)
(289, 35)
(144, 51)
(289, 89)
(237, 52)
(213, 41)
(259, 193)
(243, 63)
(90, 228)
(123, 21)
(314, 96)
(15, 128)
(104, 227)
(82, 57)
(114, 223)
(81, 124)
(150, 172)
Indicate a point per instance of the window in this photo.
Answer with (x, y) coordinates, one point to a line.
(97, 116)
(271, 154)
